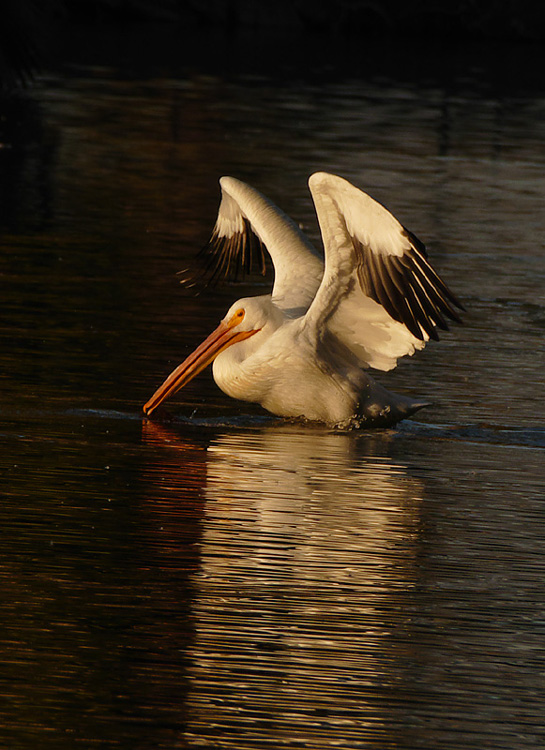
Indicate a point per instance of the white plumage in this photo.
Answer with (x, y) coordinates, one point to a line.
(302, 351)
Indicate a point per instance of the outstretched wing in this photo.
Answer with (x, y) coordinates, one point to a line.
(233, 251)
(248, 225)
(379, 293)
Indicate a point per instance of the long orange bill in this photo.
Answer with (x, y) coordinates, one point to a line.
(223, 337)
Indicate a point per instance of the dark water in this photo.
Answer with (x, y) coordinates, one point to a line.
(228, 580)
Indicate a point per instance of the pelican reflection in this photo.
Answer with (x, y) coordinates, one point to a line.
(302, 598)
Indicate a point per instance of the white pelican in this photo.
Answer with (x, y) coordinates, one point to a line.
(300, 351)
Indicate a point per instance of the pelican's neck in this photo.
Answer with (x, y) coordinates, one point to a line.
(236, 369)
(298, 266)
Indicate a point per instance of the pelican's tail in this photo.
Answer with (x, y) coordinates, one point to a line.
(382, 408)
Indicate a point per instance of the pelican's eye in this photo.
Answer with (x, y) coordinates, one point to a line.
(238, 317)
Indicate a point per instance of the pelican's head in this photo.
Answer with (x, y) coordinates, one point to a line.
(244, 319)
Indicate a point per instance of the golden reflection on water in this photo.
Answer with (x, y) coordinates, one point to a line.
(308, 551)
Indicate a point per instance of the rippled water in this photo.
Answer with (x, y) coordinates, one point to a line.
(227, 579)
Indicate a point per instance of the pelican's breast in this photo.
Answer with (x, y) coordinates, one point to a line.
(289, 378)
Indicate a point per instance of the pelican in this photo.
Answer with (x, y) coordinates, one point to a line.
(303, 350)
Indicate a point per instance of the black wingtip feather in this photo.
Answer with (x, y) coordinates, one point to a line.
(415, 242)
(422, 259)
(226, 259)
(408, 288)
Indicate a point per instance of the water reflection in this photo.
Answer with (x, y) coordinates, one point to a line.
(308, 552)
